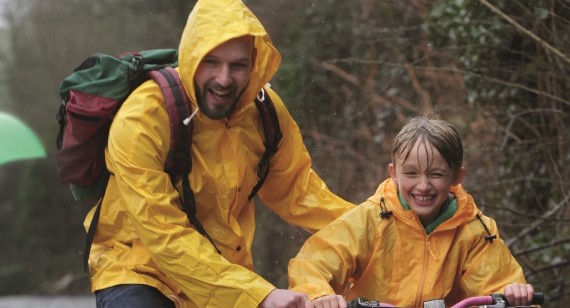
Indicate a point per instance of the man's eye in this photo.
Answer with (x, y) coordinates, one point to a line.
(210, 61)
(240, 66)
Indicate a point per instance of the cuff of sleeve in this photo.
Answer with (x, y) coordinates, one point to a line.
(314, 291)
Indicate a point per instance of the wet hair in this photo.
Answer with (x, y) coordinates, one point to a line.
(429, 129)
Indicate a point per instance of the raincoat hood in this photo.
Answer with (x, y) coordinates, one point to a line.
(214, 22)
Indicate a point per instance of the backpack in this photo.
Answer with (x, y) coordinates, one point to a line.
(93, 94)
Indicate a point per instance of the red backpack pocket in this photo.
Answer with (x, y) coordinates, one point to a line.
(81, 158)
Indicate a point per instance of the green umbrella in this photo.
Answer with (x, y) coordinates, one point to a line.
(17, 140)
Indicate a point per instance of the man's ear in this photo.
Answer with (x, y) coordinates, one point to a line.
(460, 175)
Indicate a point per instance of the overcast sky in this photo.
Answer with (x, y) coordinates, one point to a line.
(2, 22)
(2, 9)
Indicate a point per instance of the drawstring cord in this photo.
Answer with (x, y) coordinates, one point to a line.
(490, 237)
(385, 213)
(188, 119)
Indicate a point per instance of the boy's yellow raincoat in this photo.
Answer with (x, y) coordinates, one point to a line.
(143, 236)
(393, 260)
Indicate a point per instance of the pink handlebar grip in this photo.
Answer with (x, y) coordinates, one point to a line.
(474, 301)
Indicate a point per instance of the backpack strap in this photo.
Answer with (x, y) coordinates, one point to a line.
(178, 107)
(178, 162)
(93, 226)
(273, 136)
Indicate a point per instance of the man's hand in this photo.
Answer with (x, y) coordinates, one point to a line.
(280, 298)
(519, 294)
(330, 301)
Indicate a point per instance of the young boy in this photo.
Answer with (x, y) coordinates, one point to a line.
(419, 237)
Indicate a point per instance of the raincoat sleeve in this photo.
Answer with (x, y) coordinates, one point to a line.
(489, 267)
(138, 145)
(292, 189)
(330, 257)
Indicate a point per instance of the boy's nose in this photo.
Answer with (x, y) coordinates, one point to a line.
(424, 183)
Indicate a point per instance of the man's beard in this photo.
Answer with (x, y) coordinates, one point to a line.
(213, 112)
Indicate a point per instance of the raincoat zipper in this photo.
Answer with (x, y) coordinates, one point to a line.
(418, 299)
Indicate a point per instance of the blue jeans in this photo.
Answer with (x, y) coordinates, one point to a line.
(132, 296)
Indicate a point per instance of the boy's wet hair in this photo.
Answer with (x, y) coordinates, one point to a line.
(428, 128)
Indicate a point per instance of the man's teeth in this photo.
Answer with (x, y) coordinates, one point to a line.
(220, 93)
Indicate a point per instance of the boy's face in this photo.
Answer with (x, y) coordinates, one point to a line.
(222, 76)
(424, 180)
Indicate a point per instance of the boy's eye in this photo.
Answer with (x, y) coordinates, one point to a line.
(437, 175)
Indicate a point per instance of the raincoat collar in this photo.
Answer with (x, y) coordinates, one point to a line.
(449, 208)
(466, 208)
(213, 22)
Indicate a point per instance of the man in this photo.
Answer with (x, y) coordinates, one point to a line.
(145, 252)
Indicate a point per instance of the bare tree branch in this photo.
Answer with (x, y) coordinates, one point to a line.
(541, 247)
(538, 222)
(525, 31)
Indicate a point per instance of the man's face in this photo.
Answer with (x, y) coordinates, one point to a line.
(222, 76)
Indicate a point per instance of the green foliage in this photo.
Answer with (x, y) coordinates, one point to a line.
(488, 47)
(513, 56)
(343, 71)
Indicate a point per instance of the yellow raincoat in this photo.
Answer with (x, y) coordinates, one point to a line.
(393, 260)
(143, 236)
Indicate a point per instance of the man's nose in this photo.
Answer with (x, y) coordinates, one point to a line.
(223, 76)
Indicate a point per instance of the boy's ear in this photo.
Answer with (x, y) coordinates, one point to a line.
(460, 175)
(392, 171)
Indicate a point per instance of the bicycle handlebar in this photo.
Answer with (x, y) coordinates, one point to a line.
(361, 302)
(495, 300)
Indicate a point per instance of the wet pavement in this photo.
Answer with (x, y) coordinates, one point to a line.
(47, 301)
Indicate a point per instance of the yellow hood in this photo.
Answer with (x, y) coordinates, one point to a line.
(213, 22)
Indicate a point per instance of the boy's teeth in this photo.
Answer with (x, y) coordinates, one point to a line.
(424, 199)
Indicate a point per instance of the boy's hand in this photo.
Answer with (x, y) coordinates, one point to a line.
(330, 301)
(280, 298)
(519, 294)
